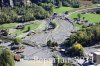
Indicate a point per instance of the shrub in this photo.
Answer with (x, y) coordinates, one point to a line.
(6, 58)
(52, 44)
(76, 50)
(17, 40)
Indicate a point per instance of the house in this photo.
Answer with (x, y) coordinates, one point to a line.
(96, 57)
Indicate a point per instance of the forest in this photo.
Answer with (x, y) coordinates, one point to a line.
(39, 9)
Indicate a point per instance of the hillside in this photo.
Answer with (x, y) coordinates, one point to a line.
(13, 3)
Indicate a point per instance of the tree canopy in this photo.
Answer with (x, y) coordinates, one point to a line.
(6, 58)
(22, 14)
(76, 50)
(86, 37)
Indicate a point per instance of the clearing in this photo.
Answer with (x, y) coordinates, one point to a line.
(8, 25)
(35, 26)
(94, 18)
(62, 9)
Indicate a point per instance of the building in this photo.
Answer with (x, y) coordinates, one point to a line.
(96, 57)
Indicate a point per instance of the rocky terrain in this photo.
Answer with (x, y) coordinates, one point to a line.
(59, 34)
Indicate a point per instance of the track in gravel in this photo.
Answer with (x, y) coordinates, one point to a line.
(61, 33)
(58, 35)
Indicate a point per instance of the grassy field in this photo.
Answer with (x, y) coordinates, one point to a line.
(94, 18)
(62, 9)
(74, 15)
(78, 26)
(33, 27)
(9, 25)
